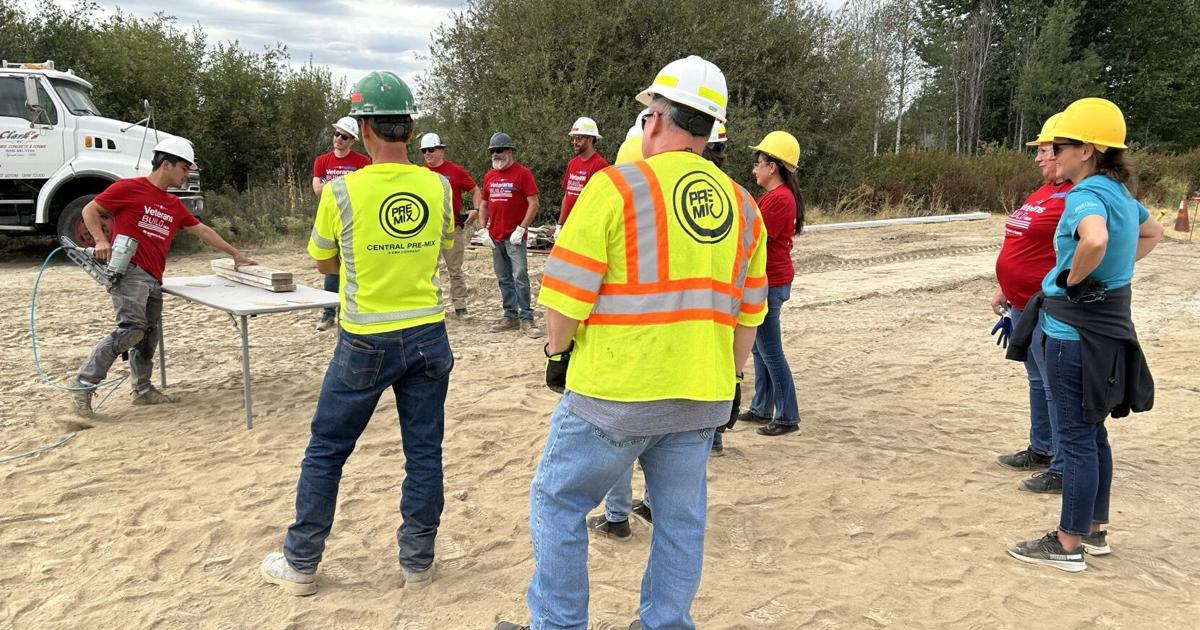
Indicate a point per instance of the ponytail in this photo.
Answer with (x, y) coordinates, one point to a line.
(1112, 165)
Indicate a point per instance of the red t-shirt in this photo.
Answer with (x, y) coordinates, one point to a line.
(328, 166)
(1028, 251)
(578, 172)
(507, 195)
(460, 182)
(149, 215)
(778, 209)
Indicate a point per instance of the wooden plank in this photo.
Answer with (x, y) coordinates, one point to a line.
(226, 264)
(276, 287)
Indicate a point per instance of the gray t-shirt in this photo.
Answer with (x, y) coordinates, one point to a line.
(654, 417)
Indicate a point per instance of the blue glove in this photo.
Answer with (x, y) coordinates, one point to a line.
(1004, 327)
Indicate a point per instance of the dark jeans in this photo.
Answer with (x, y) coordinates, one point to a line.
(331, 285)
(416, 364)
(1087, 458)
(1043, 427)
(774, 388)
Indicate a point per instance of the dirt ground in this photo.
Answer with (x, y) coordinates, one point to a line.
(887, 510)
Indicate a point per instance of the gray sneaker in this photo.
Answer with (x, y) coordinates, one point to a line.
(152, 397)
(81, 398)
(1048, 551)
(1046, 482)
(327, 322)
(531, 330)
(416, 580)
(506, 324)
(276, 570)
(1097, 544)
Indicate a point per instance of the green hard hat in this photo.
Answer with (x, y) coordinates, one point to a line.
(381, 93)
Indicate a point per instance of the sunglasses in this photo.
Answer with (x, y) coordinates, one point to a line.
(495, 151)
(338, 134)
(648, 117)
(1058, 146)
(428, 151)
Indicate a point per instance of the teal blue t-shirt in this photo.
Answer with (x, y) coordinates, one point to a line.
(1110, 200)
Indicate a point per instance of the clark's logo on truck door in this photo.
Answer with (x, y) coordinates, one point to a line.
(703, 208)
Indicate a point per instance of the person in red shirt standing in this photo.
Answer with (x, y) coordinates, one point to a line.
(587, 162)
(775, 161)
(1025, 258)
(142, 209)
(461, 182)
(328, 167)
(510, 201)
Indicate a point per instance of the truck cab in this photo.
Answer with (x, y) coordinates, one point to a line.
(57, 152)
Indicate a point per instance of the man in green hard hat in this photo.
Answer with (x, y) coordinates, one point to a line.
(381, 228)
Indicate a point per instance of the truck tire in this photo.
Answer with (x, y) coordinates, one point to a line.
(70, 222)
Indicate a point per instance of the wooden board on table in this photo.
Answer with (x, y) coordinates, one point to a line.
(258, 271)
(254, 281)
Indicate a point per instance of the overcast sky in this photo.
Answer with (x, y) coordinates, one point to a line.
(351, 37)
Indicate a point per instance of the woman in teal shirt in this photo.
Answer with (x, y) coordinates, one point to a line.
(1102, 232)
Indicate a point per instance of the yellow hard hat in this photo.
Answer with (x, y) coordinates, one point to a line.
(782, 146)
(1046, 136)
(630, 151)
(1093, 120)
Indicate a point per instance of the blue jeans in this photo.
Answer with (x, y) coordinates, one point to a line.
(416, 364)
(1087, 458)
(512, 271)
(580, 463)
(1043, 426)
(774, 389)
(331, 285)
(618, 503)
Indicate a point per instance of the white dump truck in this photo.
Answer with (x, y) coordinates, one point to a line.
(57, 152)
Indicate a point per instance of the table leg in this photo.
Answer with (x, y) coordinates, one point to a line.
(246, 372)
(162, 357)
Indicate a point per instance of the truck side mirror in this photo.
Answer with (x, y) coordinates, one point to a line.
(32, 102)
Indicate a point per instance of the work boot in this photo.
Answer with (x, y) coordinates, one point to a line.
(1024, 460)
(775, 429)
(416, 580)
(276, 570)
(1048, 551)
(1045, 482)
(460, 312)
(506, 324)
(750, 416)
(327, 321)
(81, 398)
(642, 511)
(1096, 544)
(152, 397)
(601, 525)
(531, 330)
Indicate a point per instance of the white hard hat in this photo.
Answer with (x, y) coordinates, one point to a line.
(348, 125)
(718, 133)
(692, 81)
(177, 147)
(431, 141)
(636, 130)
(585, 126)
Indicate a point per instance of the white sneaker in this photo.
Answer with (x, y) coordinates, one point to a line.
(416, 580)
(276, 570)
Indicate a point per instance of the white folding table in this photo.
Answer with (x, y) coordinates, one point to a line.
(241, 302)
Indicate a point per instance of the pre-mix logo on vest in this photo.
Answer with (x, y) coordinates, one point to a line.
(403, 215)
(703, 208)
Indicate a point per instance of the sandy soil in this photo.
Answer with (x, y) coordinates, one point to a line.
(887, 510)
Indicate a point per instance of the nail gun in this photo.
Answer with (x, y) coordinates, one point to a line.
(118, 261)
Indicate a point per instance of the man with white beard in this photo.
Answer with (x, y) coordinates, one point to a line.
(510, 202)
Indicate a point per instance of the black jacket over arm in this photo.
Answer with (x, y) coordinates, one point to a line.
(1116, 378)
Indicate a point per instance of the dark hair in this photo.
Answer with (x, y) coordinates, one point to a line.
(1112, 164)
(715, 152)
(160, 157)
(690, 120)
(392, 128)
(793, 184)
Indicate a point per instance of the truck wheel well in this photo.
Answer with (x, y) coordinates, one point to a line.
(72, 190)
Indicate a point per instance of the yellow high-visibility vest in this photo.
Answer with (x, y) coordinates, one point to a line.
(665, 257)
(386, 223)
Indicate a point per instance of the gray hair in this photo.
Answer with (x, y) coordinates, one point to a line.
(685, 118)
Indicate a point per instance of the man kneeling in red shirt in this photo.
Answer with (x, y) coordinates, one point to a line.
(142, 209)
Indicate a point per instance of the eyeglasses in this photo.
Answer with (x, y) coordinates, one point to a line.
(758, 164)
(1057, 146)
(338, 134)
(428, 151)
(647, 117)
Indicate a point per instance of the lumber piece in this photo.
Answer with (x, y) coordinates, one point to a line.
(258, 271)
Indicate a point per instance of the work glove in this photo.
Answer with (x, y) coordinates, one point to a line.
(518, 235)
(556, 367)
(557, 231)
(1087, 292)
(485, 238)
(1004, 327)
(736, 409)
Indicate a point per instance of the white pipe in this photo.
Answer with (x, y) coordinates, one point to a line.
(944, 218)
